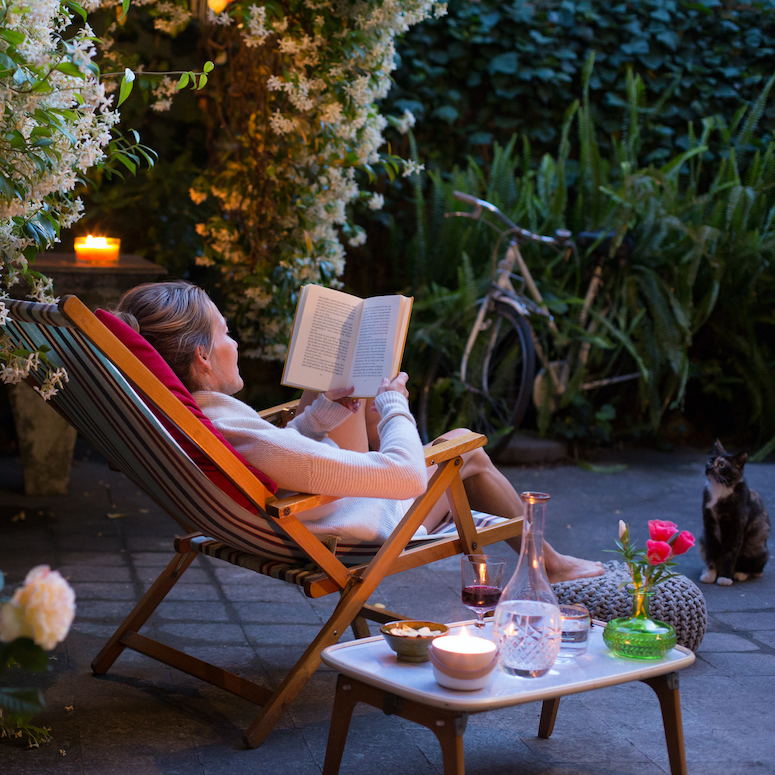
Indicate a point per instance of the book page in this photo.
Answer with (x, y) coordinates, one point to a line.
(323, 335)
(373, 355)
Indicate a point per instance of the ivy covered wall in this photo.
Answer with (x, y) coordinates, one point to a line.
(493, 68)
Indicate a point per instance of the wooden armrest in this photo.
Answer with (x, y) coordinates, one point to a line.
(281, 414)
(445, 450)
(296, 503)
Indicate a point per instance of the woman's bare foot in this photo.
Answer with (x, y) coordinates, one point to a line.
(564, 567)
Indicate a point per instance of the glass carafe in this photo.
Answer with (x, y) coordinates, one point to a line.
(527, 627)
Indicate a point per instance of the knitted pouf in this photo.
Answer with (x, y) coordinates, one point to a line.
(677, 601)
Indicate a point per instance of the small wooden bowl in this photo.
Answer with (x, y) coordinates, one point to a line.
(408, 648)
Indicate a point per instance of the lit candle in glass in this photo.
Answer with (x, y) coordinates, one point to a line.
(97, 250)
(462, 661)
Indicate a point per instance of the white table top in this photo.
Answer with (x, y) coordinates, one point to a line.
(372, 661)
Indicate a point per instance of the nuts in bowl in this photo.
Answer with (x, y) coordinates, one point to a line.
(410, 639)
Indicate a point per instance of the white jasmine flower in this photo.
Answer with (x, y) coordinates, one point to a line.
(406, 122)
(358, 239)
(412, 168)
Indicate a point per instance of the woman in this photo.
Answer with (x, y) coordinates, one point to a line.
(324, 449)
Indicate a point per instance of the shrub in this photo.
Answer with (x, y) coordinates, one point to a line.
(703, 233)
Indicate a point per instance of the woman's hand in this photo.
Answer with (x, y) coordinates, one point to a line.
(341, 396)
(398, 384)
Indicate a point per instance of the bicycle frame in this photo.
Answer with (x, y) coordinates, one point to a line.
(503, 290)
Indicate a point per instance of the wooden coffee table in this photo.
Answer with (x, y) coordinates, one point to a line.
(370, 673)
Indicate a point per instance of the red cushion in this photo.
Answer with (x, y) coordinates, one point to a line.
(148, 355)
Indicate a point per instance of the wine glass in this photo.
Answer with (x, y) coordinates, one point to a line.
(482, 583)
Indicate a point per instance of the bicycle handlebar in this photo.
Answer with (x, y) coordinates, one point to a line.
(561, 237)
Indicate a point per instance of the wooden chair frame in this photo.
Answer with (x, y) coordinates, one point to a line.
(353, 584)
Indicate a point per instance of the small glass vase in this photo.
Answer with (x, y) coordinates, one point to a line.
(527, 625)
(638, 636)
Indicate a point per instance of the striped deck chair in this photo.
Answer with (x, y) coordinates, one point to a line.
(126, 412)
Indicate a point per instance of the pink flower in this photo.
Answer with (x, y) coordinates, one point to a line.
(43, 609)
(659, 530)
(683, 542)
(657, 552)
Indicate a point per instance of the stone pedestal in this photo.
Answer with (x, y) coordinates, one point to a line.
(46, 441)
(96, 285)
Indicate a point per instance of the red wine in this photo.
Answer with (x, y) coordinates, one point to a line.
(481, 597)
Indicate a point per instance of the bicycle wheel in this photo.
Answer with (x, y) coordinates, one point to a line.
(499, 380)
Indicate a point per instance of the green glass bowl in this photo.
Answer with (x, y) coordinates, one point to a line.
(639, 638)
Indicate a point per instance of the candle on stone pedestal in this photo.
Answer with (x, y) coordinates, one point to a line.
(97, 250)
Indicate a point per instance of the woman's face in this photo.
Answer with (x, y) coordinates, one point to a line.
(223, 376)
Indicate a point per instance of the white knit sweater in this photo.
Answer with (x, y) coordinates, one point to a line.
(300, 458)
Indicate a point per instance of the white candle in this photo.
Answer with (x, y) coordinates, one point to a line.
(463, 662)
(464, 652)
(97, 250)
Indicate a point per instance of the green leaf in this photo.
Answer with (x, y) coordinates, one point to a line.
(17, 139)
(127, 82)
(202, 82)
(68, 68)
(481, 138)
(29, 655)
(12, 36)
(77, 8)
(127, 162)
(21, 76)
(7, 189)
(446, 113)
(182, 82)
(504, 63)
(208, 67)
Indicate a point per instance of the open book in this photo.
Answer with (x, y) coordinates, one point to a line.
(339, 340)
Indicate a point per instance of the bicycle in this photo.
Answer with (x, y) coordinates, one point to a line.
(491, 386)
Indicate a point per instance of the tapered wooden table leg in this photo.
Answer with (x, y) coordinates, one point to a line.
(447, 725)
(449, 732)
(548, 716)
(344, 703)
(666, 689)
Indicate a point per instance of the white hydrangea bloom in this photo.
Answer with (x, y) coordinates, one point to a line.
(43, 609)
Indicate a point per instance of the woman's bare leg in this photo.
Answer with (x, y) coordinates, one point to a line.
(488, 490)
(351, 434)
(372, 421)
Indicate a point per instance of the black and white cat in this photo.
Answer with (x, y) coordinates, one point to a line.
(736, 525)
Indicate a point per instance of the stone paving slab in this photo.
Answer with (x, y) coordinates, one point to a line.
(145, 718)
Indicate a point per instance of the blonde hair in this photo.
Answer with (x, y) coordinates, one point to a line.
(175, 317)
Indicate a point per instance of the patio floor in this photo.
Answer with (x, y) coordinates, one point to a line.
(110, 541)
